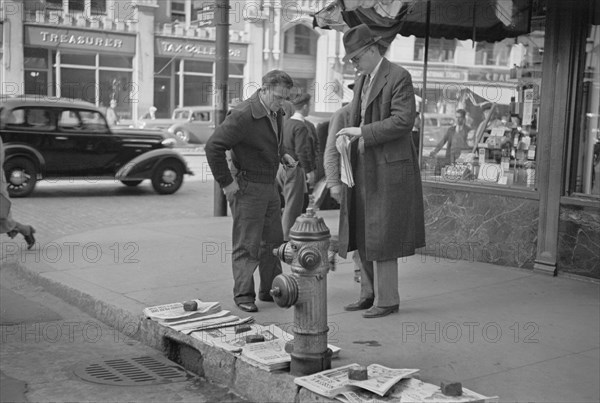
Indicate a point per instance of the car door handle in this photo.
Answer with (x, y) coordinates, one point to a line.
(61, 138)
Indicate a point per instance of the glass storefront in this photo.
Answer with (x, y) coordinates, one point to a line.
(585, 176)
(183, 82)
(480, 111)
(93, 78)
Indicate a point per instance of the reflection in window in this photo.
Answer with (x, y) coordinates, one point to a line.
(493, 54)
(587, 158)
(440, 49)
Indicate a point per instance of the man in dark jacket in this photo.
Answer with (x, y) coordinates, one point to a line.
(253, 132)
(299, 144)
(382, 216)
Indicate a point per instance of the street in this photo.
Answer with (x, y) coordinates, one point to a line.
(44, 339)
(60, 208)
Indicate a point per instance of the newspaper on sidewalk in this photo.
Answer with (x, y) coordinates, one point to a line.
(334, 382)
(208, 315)
(175, 311)
(343, 145)
(232, 339)
(412, 390)
(201, 324)
(267, 355)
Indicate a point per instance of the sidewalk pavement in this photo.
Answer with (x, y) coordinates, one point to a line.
(500, 331)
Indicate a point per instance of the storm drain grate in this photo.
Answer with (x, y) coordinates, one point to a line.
(134, 371)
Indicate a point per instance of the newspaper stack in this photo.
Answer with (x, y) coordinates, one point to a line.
(208, 315)
(335, 382)
(412, 390)
(269, 354)
(234, 338)
(343, 146)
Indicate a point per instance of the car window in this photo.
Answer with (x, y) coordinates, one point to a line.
(93, 121)
(202, 116)
(69, 120)
(446, 121)
(40, 119)
(181, 114)
(16, 117)
(430, 122)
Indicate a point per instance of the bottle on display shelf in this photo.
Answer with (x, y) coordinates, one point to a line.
(482, 148)
(475, 166)
(532, 149)
(505, 161)
(530, 174)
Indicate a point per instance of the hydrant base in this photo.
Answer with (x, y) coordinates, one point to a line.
(308, 364)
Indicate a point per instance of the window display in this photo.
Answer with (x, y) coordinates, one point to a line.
(481, 119)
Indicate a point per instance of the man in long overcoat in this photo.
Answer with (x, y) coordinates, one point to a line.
(382, 216)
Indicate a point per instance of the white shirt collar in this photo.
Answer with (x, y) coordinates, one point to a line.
(298, 116)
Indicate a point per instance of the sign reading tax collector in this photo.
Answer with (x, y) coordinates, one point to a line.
(72, 39)
(204, 50)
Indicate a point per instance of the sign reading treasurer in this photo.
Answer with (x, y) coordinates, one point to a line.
(78, 39)
(204, 50)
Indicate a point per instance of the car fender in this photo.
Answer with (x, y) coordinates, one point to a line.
(24, 150)
(142, 166)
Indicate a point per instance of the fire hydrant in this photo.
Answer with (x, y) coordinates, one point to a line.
(306, 290)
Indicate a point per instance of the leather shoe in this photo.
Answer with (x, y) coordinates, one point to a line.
(358, 305)
(248, 306)
(378, 311)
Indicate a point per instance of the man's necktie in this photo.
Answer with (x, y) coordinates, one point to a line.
(366, 84)
(363, 96)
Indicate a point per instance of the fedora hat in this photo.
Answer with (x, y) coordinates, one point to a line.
(356, 39)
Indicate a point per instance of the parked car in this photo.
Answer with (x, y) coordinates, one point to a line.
(64, 138)
(194, 124)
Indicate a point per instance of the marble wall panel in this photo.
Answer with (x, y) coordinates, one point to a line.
(579, 241)
(463, 225)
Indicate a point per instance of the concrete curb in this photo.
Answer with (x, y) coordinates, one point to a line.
(212, 363)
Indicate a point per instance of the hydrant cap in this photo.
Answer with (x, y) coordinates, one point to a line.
(309, 227)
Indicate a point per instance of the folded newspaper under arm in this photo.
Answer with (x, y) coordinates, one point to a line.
(334, 382)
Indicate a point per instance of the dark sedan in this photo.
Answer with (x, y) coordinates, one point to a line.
(64, 139)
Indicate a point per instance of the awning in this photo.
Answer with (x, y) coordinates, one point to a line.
(479, 20)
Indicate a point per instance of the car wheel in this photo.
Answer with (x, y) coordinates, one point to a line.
(168, 177)
(131, 183)
(21, 175)
(183, 135)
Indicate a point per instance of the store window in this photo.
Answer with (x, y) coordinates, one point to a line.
(178, 10)
(480, 119)
(36, 72)
(300, 40)
(586, 161)
(97, 79)
(95, 7)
